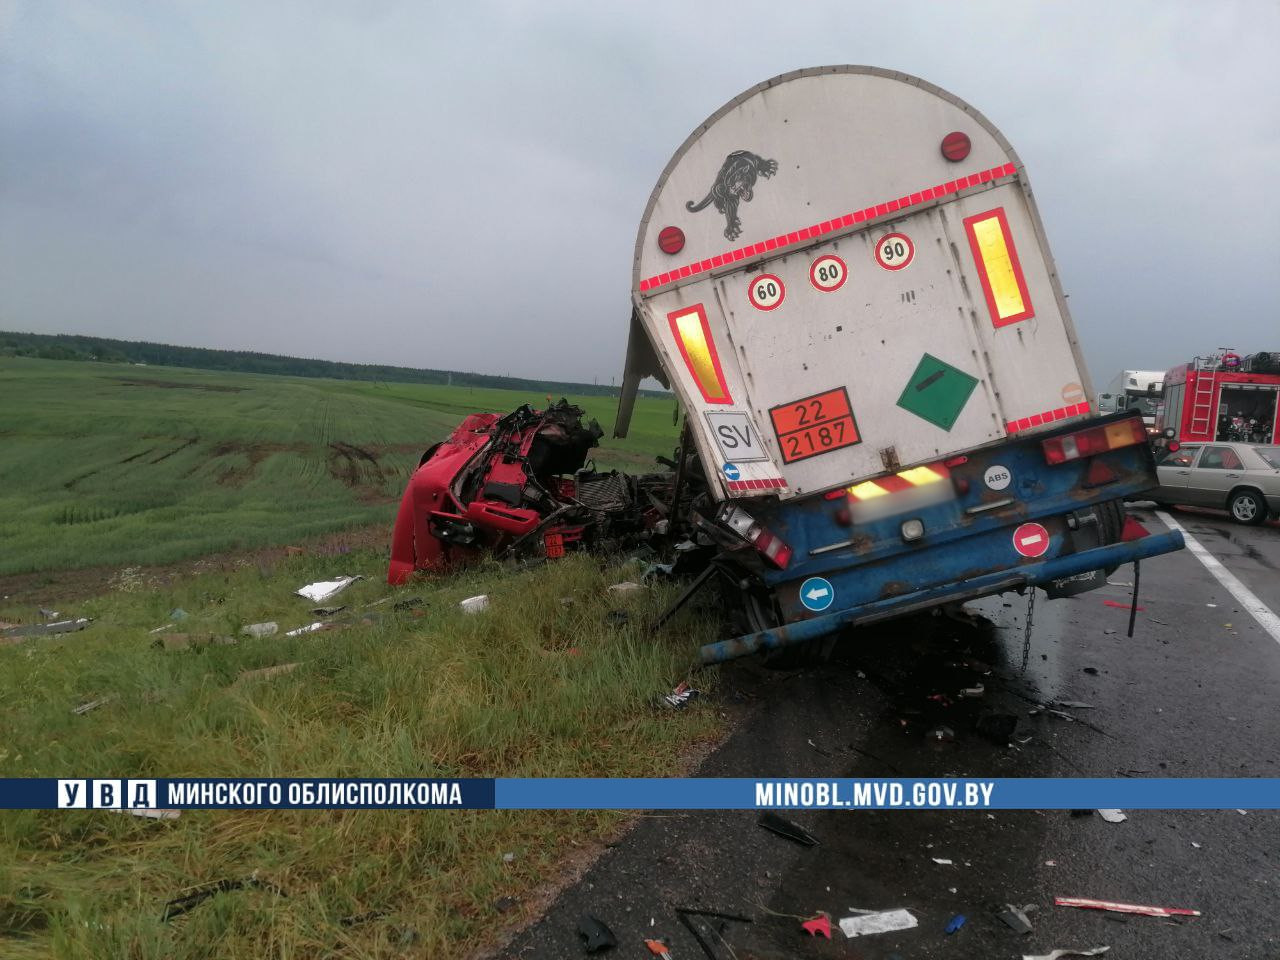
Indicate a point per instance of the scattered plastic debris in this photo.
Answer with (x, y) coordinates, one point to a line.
(786, 828)
(327, 611)
(886, 921)
(44, 629)
(177, 613)
(1015, 918)
(821, 924)
(955, 923)
(1076, 705)
(977, 690)
(309, 628)
(1057, 954)
(1092, 671)
(1154, 620)
(161, 629)
(260, 629)
(508, 858)
(148, 813)
(659, 949)
(91, 705)
(679, 697)
(322, 590)
(1114, 907)
(188, 641)
(475, 604)
(1113, 816)
(506, 904)
(1211, 605)
(1122, 606)
(198, 895)
(943, 862)
(48, 614)
(626, 587)
(595, 935)
(408, 603)
(941, 735)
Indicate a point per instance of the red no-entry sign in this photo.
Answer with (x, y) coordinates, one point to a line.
(1031, 540)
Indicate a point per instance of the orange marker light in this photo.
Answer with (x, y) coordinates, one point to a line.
(693, 337)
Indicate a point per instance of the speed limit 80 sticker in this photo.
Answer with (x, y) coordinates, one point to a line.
(766, 292)
(895, 251)
(828, 273)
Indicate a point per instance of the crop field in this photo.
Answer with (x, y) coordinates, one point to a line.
(113, 464)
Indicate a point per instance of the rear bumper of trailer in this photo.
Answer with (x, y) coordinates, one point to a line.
(999, 581)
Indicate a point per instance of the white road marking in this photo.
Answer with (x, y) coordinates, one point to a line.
(1259, 610)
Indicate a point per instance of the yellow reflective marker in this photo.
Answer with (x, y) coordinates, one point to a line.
(998, 267)
(920, 475)
(866, 490)
(693, 337)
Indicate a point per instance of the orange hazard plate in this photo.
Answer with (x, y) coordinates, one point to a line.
(815, 425)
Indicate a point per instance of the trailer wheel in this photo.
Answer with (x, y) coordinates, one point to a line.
(760, 612)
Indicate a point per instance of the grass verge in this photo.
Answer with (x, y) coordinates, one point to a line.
(532, 687)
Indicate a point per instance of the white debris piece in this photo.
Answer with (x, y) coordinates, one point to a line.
(475, 604)
(260, 629)
(309, 628)
(1113, 816)
(151, 814)
(942, 862)
(1095, 952)
(626, 587)
(91, 705)
(886, 921)
(322, 590)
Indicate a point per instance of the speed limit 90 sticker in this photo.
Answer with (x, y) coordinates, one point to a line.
(894, 251)
(828, 273)
(766, 292)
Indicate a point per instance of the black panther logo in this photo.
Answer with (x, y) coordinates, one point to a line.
(735, 182)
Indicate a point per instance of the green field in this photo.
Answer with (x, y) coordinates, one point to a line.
(113, 464)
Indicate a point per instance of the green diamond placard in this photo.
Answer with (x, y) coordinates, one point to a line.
(937, 392)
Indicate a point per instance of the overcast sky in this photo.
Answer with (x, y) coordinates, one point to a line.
(458, 185)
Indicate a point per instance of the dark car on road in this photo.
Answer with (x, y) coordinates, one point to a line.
(1241, 478)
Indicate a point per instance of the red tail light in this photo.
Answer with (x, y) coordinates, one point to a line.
(771, 547)
(1086, 443)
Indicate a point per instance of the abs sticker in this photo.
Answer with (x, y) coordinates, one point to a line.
(815, 425)
(895, 251)
(828, 273)
(736, 436)
(997, 477)
(766, 292)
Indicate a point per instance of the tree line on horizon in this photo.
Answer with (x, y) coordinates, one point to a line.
(78, 347)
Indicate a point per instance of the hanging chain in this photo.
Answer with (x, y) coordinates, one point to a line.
(1026, 636)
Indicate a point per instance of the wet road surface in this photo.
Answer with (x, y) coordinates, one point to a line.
(1192, 694)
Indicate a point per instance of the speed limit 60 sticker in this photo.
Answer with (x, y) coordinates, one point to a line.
(766, 292)
(893, 252)
(828, 273)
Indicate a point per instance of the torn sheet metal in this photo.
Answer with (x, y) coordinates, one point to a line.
(1058, 954)
(322, 590)
(887, 921)
(1114, 907)
(1113, 816)
(309, 628)
(786, 828)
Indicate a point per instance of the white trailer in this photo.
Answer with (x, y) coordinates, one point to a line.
(1134, 390)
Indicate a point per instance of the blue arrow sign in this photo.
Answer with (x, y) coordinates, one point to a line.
(817, 594)
(731, 471)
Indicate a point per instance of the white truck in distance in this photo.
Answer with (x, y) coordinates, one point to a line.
(1134, 390)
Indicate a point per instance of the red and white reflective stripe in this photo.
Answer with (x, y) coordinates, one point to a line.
(767, 483)
(1049, 416)
(1124, 907)
(837, 223)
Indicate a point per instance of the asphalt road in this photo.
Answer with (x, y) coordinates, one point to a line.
(1191, 694)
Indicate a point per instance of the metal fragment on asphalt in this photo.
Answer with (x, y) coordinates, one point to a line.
(886, 921)
(1015, 918)
(1111, 905)
(821, 924)
(1113, 816)
(786, 828)
(1056, 954)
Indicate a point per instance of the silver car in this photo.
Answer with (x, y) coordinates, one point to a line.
(1243, 478)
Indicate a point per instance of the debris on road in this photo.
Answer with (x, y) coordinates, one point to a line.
(943, 862)
(267, 629)
(977, 690)
(1057, 954)
(683, 914)
(1113, 816)
(595, 935)
(1015, 917)
(1122, 606)
(955, 923)
(475, 604)
(996, 727)
(198, 895)
(821, 924)
(1076, 705)
(886, 921)
(659, 949)
(91, 705)
(786, 828)
(322, 590)
(680, 697)
(1114, 907)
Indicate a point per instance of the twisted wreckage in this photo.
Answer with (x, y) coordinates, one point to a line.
(886, 410)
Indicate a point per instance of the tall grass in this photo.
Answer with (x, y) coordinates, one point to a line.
(545, 683)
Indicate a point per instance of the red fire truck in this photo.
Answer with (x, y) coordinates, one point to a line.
(1222, 397)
